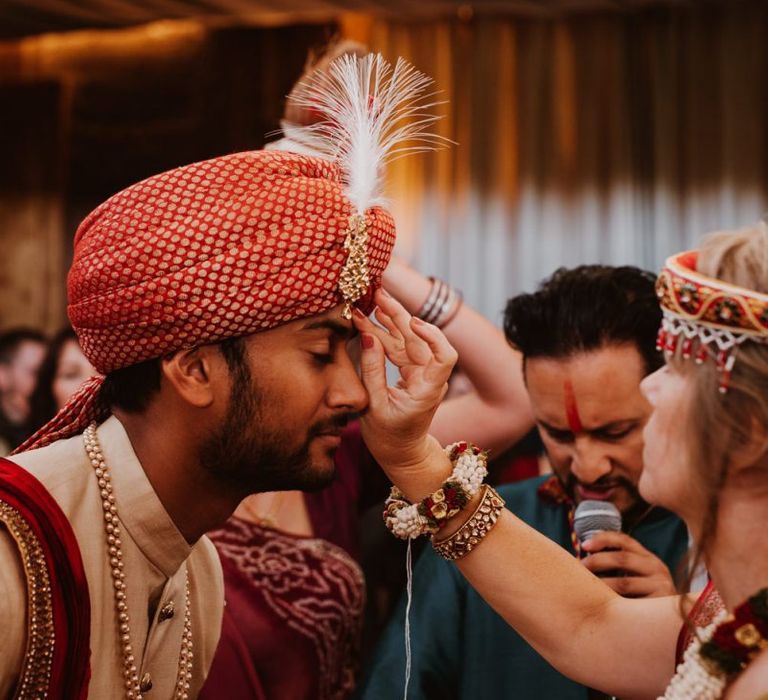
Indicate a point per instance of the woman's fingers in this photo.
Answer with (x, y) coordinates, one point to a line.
(417, 349)
(444, 355)
(393, 342)
(386, 321)
(421, 352)
(394, 346)
(373, 372)
(394, 309)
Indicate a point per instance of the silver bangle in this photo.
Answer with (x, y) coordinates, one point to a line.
(429, 302)
(450, 310)
(437, 308)
(442, 303)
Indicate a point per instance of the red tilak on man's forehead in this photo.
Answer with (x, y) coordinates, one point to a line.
(572, 408)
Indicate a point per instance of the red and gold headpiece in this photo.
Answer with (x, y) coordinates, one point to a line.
(706, 317)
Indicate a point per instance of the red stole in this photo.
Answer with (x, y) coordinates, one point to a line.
(707, 606)
(59, 604)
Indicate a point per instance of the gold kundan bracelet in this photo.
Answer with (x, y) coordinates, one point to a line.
(472, 532)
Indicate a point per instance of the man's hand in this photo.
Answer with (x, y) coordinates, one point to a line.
(642, 573)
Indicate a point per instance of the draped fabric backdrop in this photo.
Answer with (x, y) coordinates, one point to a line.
(85, 113)
(610, 135)
(617, 138)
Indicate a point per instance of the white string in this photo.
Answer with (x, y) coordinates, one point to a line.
(409, 591)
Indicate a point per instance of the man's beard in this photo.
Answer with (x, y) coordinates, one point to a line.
(251, 458)
(638, 506)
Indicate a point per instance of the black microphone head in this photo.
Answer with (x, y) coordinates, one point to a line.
(595, 516)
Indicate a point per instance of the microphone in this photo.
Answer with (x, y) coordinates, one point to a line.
(592, 517)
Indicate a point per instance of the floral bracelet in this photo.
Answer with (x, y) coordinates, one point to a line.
(410, 520)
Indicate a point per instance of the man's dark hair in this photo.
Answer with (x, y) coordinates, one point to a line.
(11, 340)
(132, 388)
(587, 308)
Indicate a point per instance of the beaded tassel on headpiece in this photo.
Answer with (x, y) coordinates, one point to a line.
(707, 318)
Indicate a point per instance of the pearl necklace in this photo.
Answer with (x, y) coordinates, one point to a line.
(694, 678)
(133, 687)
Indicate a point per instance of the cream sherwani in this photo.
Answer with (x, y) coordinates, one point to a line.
(157, 560)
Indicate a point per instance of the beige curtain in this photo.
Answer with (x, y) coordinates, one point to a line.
(616, 138)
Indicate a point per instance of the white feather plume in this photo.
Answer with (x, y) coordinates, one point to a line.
(373, 114)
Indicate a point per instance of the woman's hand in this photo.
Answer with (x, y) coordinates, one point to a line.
(497, 412)
(395, 426)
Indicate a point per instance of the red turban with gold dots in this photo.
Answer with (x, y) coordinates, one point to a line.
(213, 250)
(245, 242)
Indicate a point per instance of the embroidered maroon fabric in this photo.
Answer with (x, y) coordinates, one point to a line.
(292, 619)
(552, 491)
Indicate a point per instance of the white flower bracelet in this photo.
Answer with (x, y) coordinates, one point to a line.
(410, 520)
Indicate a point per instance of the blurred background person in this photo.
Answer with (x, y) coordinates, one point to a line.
(21, 354)
(63, 369)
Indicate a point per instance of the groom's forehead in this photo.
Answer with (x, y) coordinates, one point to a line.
(330, 324)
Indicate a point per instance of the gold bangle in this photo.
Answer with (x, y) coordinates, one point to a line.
(472, 532)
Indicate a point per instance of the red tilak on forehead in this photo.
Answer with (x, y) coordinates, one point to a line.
(572, 408)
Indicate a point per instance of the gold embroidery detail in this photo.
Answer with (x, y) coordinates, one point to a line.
(167, 611)
(747, 635)
(472, 532)
(355, 275)
(35, 674)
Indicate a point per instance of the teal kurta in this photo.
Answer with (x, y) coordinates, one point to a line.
(461, 647)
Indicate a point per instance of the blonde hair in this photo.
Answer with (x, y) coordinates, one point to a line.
(719, 423)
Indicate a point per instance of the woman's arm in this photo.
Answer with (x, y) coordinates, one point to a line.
(752, 684)
(497, 413)
(621, 646)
